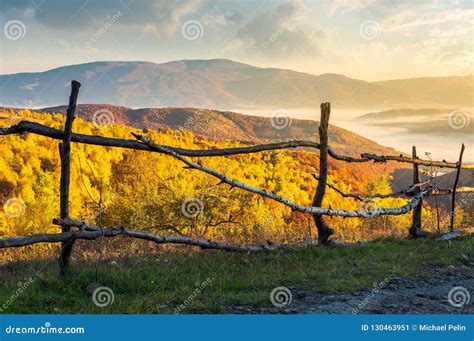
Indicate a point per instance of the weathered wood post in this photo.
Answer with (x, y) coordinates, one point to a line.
(324, 231)
(65, 155)
(456, 180)
(416, 229)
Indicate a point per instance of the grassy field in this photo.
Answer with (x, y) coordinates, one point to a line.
(205, 282)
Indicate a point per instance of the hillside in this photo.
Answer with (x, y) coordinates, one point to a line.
(224, 84)
(225, 125)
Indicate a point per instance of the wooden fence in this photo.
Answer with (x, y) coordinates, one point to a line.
(417, 192)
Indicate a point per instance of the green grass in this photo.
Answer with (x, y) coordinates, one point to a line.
(160, 282)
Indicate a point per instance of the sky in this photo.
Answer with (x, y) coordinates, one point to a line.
(365, 39)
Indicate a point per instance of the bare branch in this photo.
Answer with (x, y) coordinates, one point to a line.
(305, 209)
(346, 195)
(447, 191)
(409, 192)
(404, 159)
(90, 232)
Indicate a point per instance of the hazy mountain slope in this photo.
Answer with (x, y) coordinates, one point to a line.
(222, 84)
(432, 91)
(220, 125)
(422, 121)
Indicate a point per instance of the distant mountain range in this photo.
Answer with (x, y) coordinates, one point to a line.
(226, 125)
(225, 84)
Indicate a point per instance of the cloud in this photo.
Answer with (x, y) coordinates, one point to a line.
(158, 16)
(411, 19)
(276, 33)
(348, 5)
(31, 86)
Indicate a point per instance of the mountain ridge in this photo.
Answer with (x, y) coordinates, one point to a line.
(223, 84)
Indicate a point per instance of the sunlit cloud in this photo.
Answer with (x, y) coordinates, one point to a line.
(411, 19)
(348, 5)
(277, 33)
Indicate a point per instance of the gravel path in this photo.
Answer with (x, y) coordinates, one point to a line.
(427, 294)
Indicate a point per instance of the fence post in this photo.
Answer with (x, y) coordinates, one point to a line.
(415, 229)
(65, 155)
(324, 231)
(456, 180)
